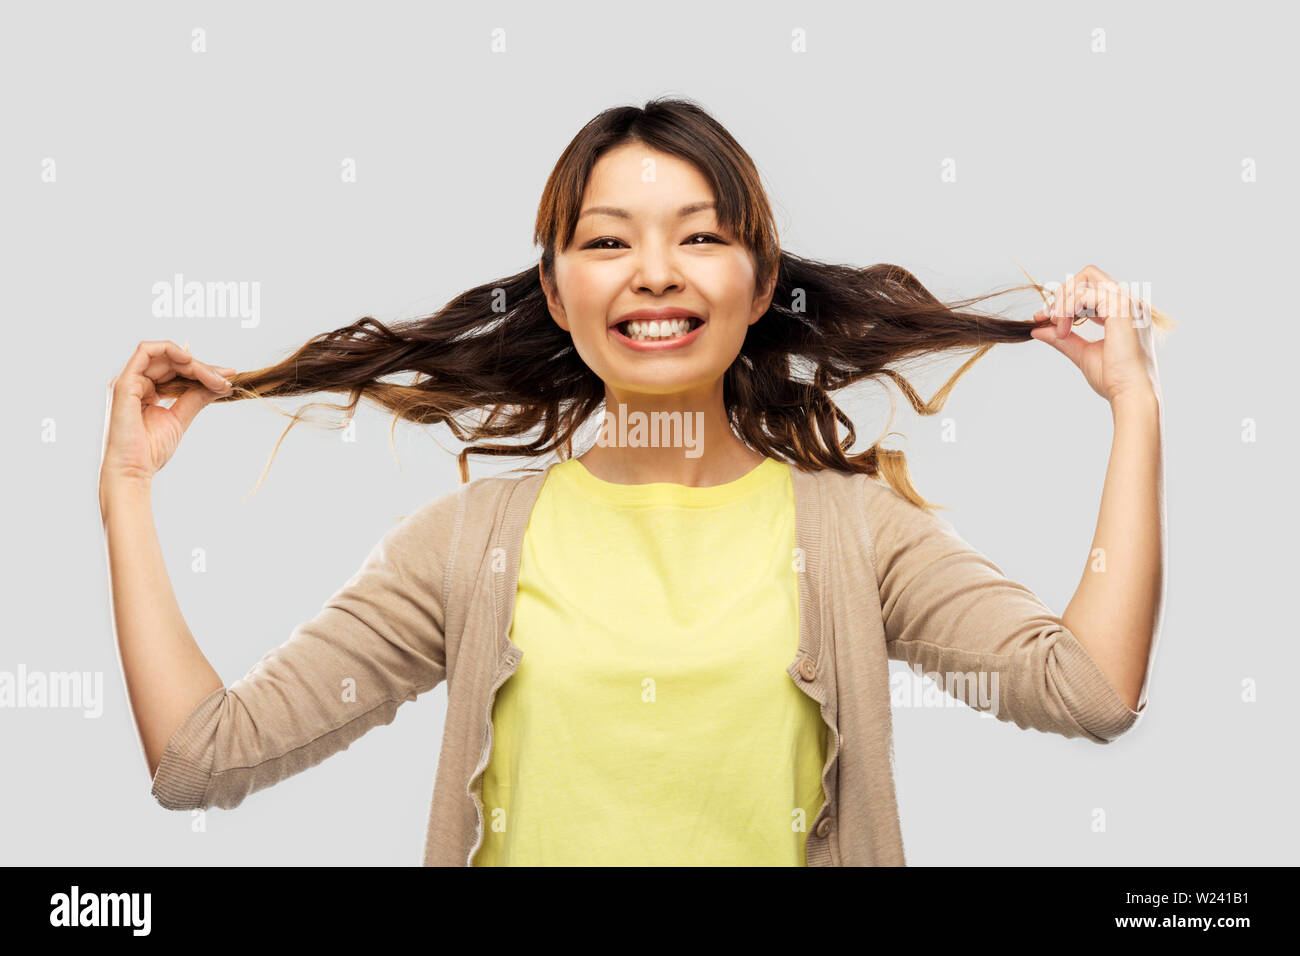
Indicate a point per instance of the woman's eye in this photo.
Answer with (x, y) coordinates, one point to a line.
(596, 243)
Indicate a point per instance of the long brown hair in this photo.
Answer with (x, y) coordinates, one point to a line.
(496, 349)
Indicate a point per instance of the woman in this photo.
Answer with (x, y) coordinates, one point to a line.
(672, 648)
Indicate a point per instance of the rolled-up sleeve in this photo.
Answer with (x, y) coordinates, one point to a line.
(376, 643)
(950, 613)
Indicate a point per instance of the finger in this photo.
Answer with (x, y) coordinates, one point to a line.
(1119, 302)
(135, 387)
(1114, 313)
(1081, 293)
(1087, 298)
(1095, 274)
(129, 395)
(192, 368)
(174, 359)
(144, 353)
(191, 403)
(1060, 307)
(156, 360)
(1089, 288)
(1072, 346)
(1116, 310)
(1051, 307)
(1090, 303)
(213, 376)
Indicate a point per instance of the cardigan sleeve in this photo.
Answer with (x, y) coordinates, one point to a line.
(950, 613)
(376, 643)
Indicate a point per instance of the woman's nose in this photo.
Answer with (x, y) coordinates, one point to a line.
(656, 270)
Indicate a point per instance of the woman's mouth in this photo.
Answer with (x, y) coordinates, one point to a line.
(657, 333)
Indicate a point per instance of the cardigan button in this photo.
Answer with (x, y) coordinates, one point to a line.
(824, 827)
(807, 670)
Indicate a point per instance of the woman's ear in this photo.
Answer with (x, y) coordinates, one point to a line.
(552, 300)
(763, 299)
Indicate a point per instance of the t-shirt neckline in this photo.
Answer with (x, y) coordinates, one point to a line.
(671, 493)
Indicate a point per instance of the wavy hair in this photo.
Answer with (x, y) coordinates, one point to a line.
(492, 364)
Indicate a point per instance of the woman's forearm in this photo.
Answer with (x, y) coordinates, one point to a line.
(1116, 610)
(166, 673)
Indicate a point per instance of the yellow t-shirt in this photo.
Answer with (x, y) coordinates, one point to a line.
(651, 720)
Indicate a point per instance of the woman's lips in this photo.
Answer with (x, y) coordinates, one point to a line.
(656, 345)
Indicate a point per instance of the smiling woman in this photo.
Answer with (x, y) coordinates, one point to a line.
(668, 651)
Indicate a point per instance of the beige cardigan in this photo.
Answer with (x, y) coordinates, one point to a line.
(880, 579)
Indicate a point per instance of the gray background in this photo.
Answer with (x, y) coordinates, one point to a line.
(224, 166)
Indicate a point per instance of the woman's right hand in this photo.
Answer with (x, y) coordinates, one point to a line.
(140, 434)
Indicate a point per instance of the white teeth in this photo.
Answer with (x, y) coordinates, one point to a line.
(658, 328)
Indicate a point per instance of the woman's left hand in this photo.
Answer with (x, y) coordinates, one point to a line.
(1123, 360)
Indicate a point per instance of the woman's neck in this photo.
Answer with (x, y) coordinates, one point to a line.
(683, 438)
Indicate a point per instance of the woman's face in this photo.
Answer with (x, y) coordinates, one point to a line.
(648, 239)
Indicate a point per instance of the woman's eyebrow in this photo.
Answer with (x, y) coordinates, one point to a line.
(688, 210)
